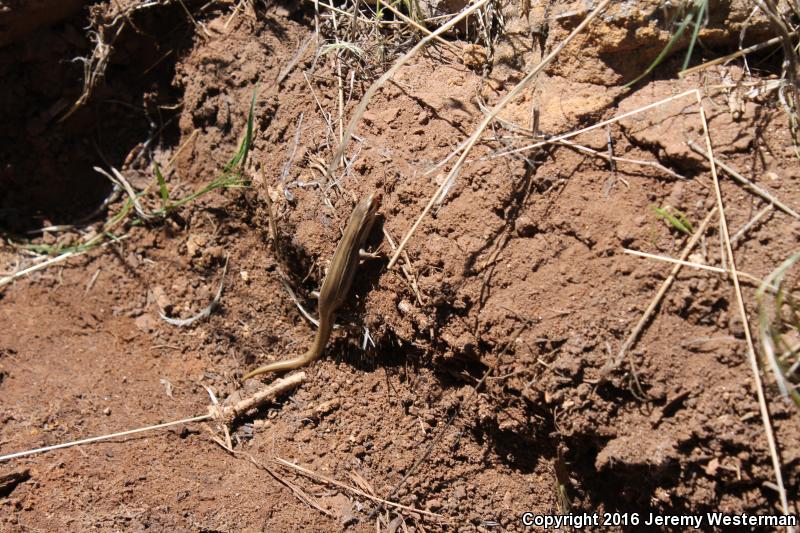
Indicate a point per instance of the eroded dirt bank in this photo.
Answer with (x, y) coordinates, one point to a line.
(520, 269)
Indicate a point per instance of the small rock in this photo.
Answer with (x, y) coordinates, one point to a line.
(508, 500)
(405, 307)
(390, 114)
(369, 117)
(146, 323)
(345, 507)
(161, 299)
(712, 467)
(475, 56)
(434, 504)
(359, 451)
(525, 227)
(773, 179)
(194, 243)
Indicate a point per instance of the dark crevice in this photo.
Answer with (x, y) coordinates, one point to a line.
(47, 176)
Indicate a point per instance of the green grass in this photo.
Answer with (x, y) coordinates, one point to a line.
(411, 6)
(232, 176)
(693, 13)
(675, 218)
(778, 322)
(232, 173)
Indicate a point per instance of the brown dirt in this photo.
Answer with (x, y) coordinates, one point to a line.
(521, 269)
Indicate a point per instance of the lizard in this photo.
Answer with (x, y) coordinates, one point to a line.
(336, 284)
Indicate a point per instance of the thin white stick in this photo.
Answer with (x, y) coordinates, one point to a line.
(488, 117)
(752, 222)
(744, 51)
(698, 266)
(52, 261)
(751, 352)
(747, 183)
(103, 437)
(119, 179)
(652, 164)
(612, 364)
(225, 414)
(205, 312)
(595, 126)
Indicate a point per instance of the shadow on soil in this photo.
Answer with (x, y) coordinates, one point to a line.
(47, 177)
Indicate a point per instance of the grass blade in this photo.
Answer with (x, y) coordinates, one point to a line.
(162, 187)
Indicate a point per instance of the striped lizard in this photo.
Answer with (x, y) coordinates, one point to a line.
(336, 285)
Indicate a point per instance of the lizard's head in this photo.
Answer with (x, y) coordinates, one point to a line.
(372, 203)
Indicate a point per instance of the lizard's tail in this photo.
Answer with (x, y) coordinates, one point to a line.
(281, 366)
(316, 349)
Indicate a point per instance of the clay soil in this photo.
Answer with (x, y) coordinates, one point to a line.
(518, 276)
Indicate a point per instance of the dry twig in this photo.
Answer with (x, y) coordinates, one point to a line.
(205, 312)
(699, 266)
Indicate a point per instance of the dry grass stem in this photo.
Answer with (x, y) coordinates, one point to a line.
(751, 223)
(734, 55)
(308, 316)
(607, 157)
(119, 179)
(94, 67)
(201, 29)
(613, 364)
(531, 133)
(602, 124)
(299, 493)
(5, 280)
(103, 437)
(452, 46)
(44, 264)
(223, 414)
(362, 105)
(180, 150)
(762, 402)
(699, 266)
(294, 61)
(205, 312)
(406, 267)
(790, 66)
(329, 481)
(446, 183)
(359, 18)
(765, 195)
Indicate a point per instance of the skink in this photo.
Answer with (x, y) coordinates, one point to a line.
(336, 285)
